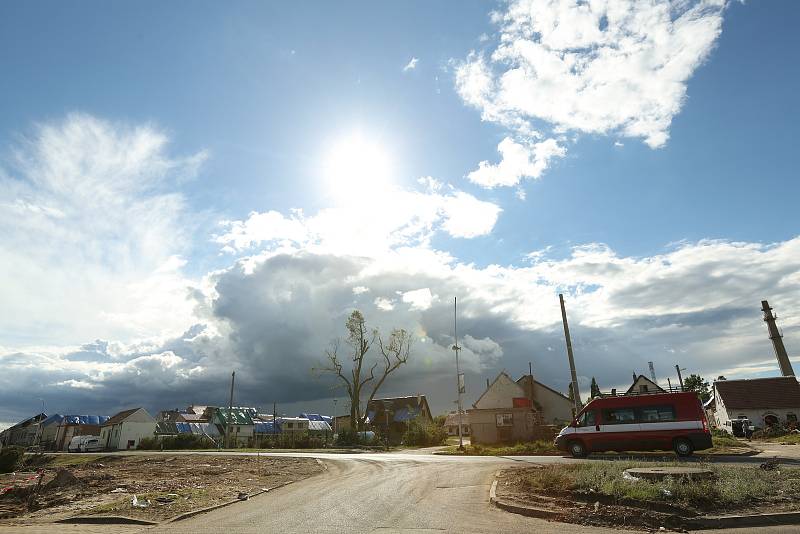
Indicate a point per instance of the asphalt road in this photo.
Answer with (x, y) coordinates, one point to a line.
(392, 493)
(407, 492)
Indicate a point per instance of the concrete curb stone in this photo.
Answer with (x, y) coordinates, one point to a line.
(694, 523)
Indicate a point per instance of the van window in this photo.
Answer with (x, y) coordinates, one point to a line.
(587, 419)
(654, 414)
(618, 415)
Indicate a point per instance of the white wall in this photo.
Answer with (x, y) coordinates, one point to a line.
(133, 430)
(723, 415)
(554, 406)
(500, 394)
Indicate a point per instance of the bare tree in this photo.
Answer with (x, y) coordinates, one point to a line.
(365, 376)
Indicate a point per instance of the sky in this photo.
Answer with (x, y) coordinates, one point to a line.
(189, 189)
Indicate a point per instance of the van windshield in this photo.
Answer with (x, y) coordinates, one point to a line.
(586, 419)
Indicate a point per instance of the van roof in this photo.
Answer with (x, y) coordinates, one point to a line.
(644, 400)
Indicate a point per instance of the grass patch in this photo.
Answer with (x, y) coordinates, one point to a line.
(789, 439)
(731, 487)
(530, 448)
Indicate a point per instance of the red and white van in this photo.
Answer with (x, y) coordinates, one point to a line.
(658, 421)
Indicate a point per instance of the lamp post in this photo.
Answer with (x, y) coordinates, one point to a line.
(459, 378)
(386, 406)
(334, 415)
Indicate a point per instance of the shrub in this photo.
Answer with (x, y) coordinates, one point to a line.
(11, 458)
(181, 441)
(424, 433)
(770, 432)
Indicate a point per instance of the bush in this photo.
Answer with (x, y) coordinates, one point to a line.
(179, 442)
(11, 458)
(424, 433)
(770, 432)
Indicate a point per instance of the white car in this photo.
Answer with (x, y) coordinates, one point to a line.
(85, 444)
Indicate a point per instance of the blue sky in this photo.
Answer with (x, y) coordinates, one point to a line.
(248, 101)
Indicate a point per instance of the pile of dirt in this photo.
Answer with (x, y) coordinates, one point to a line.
(63, 479)
(163, 486)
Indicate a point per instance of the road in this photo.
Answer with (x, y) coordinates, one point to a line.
(408, 492)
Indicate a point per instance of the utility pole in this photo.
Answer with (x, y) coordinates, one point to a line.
(576, 395)
(459, 377)
(680, 378)
(777, 340)
(669, 383)
(274, 423)
(334, 415)
(230, 414)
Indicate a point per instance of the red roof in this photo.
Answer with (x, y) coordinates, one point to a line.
(754, 393)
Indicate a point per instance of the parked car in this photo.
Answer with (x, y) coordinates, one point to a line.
(645, 422)
(75, 443)
(85, 444)
(92, 444)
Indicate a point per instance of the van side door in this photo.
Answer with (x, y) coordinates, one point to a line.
(619, 430)
(658, 425)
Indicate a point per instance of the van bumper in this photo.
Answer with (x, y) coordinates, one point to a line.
(700, 441)
(561, 442)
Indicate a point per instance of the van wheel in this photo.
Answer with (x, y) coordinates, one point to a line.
(682, 447)
(577, 449)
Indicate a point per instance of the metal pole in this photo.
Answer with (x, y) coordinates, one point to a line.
(669, 383)
(456, 348)
(680, 378)
(334, 415)
(576, 394)
(230, 414)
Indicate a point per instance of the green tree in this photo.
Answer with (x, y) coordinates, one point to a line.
(699, 385)
(595, 388)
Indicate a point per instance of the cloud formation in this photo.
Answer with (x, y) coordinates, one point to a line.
(600, 67)
(93, 234)
(411, 65)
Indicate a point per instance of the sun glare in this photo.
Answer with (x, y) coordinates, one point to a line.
(357, 168)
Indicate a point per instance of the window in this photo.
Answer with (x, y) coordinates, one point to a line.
(654, 414)
(289, 425)
(642, 388)
(618, 416)
(587, 419)
(504, 419)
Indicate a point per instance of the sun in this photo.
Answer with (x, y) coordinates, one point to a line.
(357, 168)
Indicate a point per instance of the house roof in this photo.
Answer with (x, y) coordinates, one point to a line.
(642, 378)
(753, 393)
(401, 408)
(84, 419)
(548, 388)
(120, 417)
(235, 416)
(173, 428)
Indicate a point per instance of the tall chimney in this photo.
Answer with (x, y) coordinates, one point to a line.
(777, 341)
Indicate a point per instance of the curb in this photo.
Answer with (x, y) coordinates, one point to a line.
(694, 523)
(106, 520)
(756, 520)
(517, 509)
(192, 513)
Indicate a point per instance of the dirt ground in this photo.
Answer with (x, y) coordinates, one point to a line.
(164, 486)
(589, 508)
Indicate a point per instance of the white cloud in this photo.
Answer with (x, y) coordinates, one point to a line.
(92, 234)
(384, 304)
(598, 67)
(394, 219)
(420, 299)
(517, 161)
(411, 65)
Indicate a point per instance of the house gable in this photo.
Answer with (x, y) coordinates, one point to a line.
(500, 394)
(642, 384)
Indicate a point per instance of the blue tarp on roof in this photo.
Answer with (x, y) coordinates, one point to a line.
(183, 428)
(84, 419)
(405, 414)
(266, 427)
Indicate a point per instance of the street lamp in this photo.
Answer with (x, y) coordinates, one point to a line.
(386, 406)
(459, 376)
